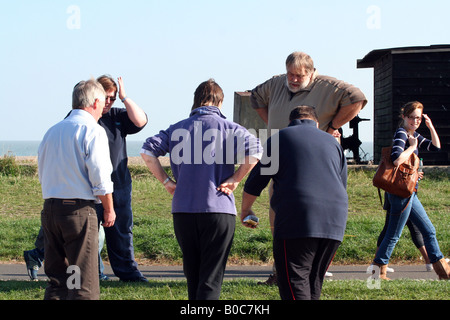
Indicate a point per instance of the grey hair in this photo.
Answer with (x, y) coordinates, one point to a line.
(300, 59)
(86, 92)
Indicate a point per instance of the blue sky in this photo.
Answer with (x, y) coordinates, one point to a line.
(164, 49)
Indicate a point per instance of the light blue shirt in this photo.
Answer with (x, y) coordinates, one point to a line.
(73, 159)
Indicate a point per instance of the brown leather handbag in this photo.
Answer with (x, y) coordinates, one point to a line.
(400, 180)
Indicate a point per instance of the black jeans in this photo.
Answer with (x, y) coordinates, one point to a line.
(301, 265)
(205, 240)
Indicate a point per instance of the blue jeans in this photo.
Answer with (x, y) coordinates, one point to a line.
(101, 242)
(401, 210)
(119, 237)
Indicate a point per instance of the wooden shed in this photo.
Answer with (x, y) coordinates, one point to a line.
(408, 74)
(244, 114)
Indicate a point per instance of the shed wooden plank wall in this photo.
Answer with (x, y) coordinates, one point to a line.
(402, 75)
(383, 101)
(425, 77)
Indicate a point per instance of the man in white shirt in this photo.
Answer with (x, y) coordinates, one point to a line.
(75, 173)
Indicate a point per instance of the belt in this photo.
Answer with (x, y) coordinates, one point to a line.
(70, 202)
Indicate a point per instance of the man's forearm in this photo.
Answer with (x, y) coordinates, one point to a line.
(264, 114)
(109, 215)
(345, 114)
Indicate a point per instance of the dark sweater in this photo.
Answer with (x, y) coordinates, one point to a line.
(310, 198)
(118, 125)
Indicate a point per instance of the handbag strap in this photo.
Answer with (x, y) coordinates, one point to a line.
(379, 195)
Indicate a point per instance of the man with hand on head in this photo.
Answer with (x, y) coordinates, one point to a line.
(118, 124)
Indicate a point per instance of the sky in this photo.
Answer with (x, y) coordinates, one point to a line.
(165, 49)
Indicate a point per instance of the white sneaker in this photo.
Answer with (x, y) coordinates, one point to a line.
(328, 274)
(429, 267)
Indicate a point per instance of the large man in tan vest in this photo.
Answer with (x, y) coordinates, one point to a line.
(335, 101)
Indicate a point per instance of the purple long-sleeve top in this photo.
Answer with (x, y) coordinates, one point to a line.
(204, 150)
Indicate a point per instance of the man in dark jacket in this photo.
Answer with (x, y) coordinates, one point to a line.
(309, 199)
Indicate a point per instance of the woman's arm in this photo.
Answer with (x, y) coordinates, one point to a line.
(135, 113)
(408, 152)
(434, 136)
(400, 139)
(230, 184)
(158, 171)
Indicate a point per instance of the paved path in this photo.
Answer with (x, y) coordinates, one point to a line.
(17, 271)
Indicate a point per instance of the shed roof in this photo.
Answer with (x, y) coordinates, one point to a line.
(369, 60)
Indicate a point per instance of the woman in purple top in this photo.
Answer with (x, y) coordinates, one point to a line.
(204, 149)
(406, 142)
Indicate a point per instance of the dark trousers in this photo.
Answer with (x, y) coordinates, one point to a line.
(205, 240)
(71, 249)
(119, 237)
(301, 265)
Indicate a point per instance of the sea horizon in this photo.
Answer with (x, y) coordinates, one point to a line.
(29, 148)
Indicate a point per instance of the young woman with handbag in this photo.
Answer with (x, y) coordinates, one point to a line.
(406, 142)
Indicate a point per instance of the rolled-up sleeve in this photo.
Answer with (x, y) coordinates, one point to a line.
(98, 163)
(251, 145)
(158, 145)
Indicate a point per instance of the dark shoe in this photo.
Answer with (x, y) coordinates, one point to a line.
(138, 279)
(33, 264)
(272, 281)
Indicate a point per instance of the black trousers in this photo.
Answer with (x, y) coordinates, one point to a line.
(301, 265)
(205, 240)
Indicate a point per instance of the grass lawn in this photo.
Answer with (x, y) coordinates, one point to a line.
(154, 239)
